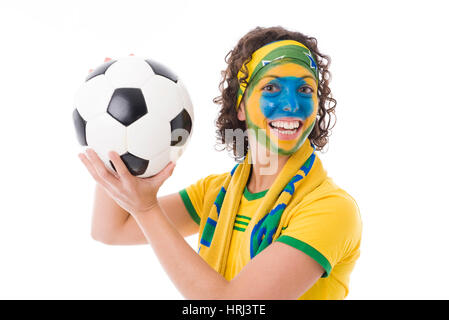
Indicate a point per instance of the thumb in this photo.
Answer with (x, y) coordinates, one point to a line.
(168, 170)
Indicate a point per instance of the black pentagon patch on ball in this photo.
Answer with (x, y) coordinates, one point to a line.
(127, 105)
(100, 70)
(80, 127)
(162, 70)
(181, 126)
(135, 165)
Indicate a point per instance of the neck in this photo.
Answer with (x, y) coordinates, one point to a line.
(265, 168)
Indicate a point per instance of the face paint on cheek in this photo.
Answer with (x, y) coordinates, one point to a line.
(257, 128)
(256, 122)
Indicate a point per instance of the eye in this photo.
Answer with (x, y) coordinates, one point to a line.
(306, 89)
(270, 88)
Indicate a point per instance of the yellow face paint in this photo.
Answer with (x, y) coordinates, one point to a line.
(281, 104)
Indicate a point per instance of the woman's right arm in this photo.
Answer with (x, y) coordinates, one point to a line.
(111, 224)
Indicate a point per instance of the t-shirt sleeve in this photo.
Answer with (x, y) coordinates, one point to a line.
(193, 196)
(327, 229)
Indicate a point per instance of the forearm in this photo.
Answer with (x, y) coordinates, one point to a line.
(107, 216)
(193, 277)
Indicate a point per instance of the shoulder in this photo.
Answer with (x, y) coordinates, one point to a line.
(330, 198)
(211, 184)
(331, 211)
(216, 178)
(208, 182)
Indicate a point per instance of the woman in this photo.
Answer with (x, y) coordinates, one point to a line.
(275, 226)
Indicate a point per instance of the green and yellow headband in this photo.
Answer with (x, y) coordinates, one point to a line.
(275, 51)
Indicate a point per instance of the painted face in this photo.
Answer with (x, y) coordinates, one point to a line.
(281, 106)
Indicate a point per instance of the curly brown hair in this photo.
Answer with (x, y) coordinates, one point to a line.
(240, 56)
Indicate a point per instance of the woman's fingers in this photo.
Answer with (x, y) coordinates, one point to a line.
(101, 170)
(119, 165)
(108, 188)
(89, 166)
(111, 189)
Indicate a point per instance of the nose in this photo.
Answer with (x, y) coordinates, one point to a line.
(288, 108)
(291, 103)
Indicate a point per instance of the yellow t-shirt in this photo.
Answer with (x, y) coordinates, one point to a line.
(248, 206)
(327, 227)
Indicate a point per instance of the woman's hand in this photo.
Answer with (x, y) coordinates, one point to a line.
(135, 195)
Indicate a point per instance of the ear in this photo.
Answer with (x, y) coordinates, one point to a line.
(241, 112)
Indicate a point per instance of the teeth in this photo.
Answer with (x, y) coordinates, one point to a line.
(285, 124)
(285, 132)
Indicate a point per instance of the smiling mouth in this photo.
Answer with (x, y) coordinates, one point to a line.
(285, 126)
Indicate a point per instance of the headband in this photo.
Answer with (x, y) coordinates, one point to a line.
(275, 51)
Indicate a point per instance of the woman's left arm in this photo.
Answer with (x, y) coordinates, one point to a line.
(278, 272)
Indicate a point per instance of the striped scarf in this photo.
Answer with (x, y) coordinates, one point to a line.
(301, 174)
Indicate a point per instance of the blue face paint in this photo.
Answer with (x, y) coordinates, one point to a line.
(286, 99)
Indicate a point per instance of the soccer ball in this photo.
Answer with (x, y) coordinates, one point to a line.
(138, 108)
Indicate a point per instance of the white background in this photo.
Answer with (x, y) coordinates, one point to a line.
(388, 148)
